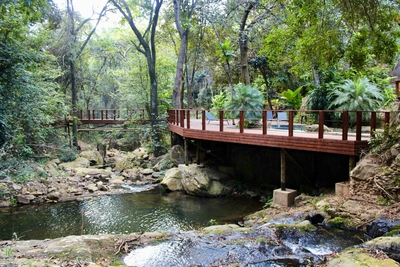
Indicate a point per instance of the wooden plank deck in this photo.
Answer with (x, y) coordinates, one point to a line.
(308, 141)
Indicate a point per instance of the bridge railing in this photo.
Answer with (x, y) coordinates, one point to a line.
(361, 124)
(111, 114)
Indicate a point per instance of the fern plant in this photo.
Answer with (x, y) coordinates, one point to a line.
(246, 98)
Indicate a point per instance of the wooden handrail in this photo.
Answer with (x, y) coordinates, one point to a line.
(177, 117)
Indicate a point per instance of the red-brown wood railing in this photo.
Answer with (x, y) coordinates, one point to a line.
(182, 118)
(111, 114)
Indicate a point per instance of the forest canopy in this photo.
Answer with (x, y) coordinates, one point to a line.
(162, 54)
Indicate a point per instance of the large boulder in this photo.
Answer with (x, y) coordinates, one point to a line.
(205, 182)
(173, 180)
(94, 157)
(129, 161)
(78, 163)
(177, 155)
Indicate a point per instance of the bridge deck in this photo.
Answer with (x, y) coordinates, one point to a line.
(308, 141)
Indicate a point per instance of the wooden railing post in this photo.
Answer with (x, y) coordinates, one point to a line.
(345, 125)
(387, 117)
(106, 114)
(221, 120)
(182, 118)
(197, 114)
(102, 114)
(241, 121)
(80, 114)
(203, 120)
(373, 124)
(88, 114)
(358, 125)
(291, 117)
(93, 114)
(321, 124)
(264, 122)
(188, 119)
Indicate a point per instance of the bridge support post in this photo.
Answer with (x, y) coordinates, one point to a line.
(283, 170)
(186, 145)
(284, 196)
(343, 188)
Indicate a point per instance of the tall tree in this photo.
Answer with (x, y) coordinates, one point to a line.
(29, 98)
(182, 10)
(147, 46)
(75, 52)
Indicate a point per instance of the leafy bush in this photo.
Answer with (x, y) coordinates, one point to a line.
(246, 98)
(291, 99)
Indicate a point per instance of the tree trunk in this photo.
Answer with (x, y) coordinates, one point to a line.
(244, 45)
(74, 104)
(179, 71)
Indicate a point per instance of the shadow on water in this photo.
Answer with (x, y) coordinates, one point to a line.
(146, 211)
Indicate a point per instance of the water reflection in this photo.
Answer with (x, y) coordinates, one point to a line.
(146, 211)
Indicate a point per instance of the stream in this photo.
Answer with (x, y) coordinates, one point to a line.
(146, 209)
(151, 209)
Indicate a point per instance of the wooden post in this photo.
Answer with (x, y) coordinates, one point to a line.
(102, 114)
(188, 119)
(88, 114)
(182, 118)
(345, 125)
(283, 171)
(186, 151)
(358, 125)
(241, 122)
(397, 82)
(352, 164)
(203, 120)
(198, 152)
(373, 124)
(221, 120)
(264, 122)
(321, 124)
(291, 117)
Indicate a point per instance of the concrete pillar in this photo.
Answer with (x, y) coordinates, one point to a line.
(283, 196)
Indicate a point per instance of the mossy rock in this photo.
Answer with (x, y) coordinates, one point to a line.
(361, 257)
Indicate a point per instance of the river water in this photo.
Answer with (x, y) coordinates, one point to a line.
(139, 211)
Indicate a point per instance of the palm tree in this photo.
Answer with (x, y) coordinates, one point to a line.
(356, 96)
(246, 98)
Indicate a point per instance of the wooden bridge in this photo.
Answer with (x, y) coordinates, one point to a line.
(344, 140)
(268, 132)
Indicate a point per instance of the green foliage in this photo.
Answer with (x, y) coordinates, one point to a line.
(291, 99)
(383, 201)
(318, 99)
(213, 222)
(20, 171)
(67, 155)
(219, 101)
(356, 95)
(225, 51)
(381, 141)
(246, 98)
(28, 93)
(204, 99)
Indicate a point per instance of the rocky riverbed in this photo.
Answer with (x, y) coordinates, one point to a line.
(284, 236)
(302, 235)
